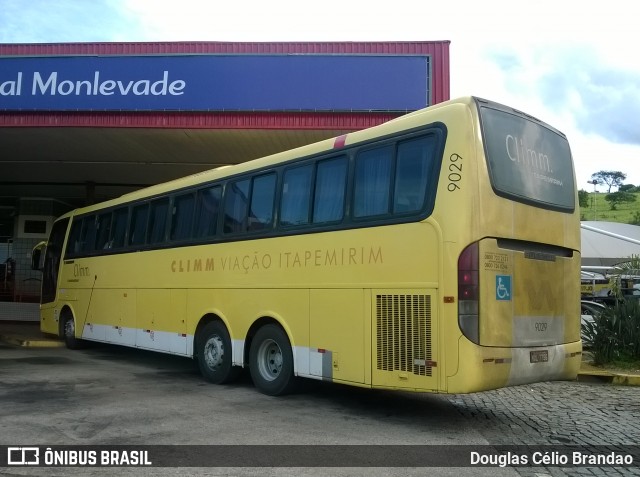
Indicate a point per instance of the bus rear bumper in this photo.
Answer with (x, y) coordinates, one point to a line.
(484, 368)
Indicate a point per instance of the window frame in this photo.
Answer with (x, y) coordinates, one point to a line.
(277, 228)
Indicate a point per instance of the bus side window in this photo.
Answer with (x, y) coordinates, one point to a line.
(415, 157)
(118, 228)
(236, 207)
(88, 234)
(373, 182)
(296, 196)
(158, 220)
(182, 217)
(263, 194)
(104, 231)
(73, 242)
(331, 180)
(207, 211)
(138, 226)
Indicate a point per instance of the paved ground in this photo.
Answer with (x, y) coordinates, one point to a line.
(109, 395)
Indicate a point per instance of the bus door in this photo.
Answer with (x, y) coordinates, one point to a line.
(404, 351)
(50, 274)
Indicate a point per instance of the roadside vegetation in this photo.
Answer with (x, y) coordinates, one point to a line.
(613, 337)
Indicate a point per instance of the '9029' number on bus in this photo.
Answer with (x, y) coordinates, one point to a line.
(455, 172)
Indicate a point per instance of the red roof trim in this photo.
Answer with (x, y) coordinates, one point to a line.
(209, 47)
(160, 120)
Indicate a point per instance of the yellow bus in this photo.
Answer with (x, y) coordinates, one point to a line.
(437, 252)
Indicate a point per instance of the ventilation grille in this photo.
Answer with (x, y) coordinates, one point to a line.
(404, 333)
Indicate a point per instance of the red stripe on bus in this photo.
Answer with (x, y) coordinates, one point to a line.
(340, 141)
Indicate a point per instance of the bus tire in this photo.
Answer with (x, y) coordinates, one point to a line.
(69, 332)
(271, 361)
(214, 354)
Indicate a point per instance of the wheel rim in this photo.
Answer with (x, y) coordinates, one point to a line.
(69, 329)
(214, 352)
(269, 360)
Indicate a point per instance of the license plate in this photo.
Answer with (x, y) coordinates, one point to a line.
(539, 356)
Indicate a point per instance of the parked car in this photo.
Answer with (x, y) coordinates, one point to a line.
(589, 312)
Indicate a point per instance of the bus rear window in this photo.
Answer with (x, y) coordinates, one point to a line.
(527, 161)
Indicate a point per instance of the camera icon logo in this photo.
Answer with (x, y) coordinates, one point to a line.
(23, 456)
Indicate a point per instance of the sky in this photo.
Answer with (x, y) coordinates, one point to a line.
(569, 64)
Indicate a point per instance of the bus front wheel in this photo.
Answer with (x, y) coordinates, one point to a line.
(69, 332)
(271, 361)
(214, 354)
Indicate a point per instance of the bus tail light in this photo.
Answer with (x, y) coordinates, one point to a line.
(468, 292)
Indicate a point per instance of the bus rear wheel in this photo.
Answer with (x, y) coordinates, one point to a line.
(69, 332)
(271, 361)
(214, 354)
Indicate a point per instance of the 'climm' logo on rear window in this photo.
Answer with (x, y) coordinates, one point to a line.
(537, 162)
(519, 152)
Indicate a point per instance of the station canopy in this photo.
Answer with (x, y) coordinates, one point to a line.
(608, 243)
(87, 122)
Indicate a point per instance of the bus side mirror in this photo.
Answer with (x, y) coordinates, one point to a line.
(37, 257)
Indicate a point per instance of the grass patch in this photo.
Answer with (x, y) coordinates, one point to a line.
(622, 367)
(601, 209)
(632, 365)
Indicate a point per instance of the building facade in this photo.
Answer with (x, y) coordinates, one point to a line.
(85, 122)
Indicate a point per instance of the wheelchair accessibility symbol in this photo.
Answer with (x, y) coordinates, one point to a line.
(503, 287)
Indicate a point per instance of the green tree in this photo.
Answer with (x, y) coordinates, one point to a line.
(616, 198)
(583, 198)
(627, 188)
(611, 178)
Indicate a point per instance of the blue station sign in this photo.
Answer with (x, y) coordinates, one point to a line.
(215, 83)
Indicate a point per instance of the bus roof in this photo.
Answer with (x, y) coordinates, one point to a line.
(404, 122)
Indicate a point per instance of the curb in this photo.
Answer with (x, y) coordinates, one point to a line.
(626, 380)
(31, 342)
(610, 378)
